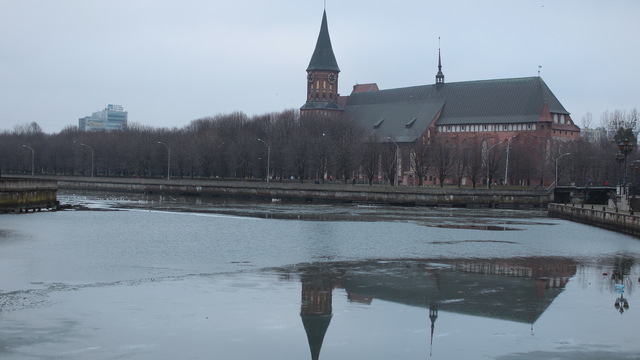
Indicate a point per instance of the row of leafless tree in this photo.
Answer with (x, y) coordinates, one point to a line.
(289, 147)
(614, 120)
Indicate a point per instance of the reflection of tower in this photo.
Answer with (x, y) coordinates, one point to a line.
(316, 310)
(433, 315)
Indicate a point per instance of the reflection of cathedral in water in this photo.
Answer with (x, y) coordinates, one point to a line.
(517, 290)
(316, 311)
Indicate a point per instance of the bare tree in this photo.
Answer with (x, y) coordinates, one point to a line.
(461, 161)
(620, 119)
(492, 160)
(283, 129)
(347, 146)
(371, 157)
(587, 120)
(443, 155)
(421, 159)
(474, 161)
(388, 158)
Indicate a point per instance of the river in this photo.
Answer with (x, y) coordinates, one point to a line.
(150, 277)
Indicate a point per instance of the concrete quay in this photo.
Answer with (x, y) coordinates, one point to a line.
(23, 195)
(312, 193)
(598, 215)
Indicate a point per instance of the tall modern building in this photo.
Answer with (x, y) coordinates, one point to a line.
(113, 117)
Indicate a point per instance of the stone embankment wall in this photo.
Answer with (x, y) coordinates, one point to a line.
(598, 215)
(18, 195)
(319, 192)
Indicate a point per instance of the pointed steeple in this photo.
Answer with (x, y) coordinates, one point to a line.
(439, 75)
(323, 57)
(322, 77)
(316, 308)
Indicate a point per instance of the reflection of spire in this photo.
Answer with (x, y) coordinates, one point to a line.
(433, 315)
(316, 327)
(435, 277)
(316, 311)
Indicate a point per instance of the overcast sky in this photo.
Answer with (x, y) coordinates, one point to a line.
(169, 62)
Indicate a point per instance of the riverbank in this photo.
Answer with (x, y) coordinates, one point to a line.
(319, 193)
(22, 195)
(598, 215)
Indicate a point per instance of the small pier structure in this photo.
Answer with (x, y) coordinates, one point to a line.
(24, 195)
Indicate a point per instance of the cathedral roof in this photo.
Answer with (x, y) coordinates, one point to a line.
(323, 57)
(328, 105)
(405, 113)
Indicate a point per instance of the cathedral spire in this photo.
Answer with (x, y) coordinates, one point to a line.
(323, 57)
(322, 76)
(439, 75)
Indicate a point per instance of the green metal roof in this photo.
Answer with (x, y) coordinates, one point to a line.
(323, 57)
(311, 105)
(519, 100)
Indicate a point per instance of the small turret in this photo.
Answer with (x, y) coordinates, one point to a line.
(439, 75)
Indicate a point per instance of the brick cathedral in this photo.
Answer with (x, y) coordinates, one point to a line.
(516, 110)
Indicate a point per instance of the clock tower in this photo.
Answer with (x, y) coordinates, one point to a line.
(322, 77)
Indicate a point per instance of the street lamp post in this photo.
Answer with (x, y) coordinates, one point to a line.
(395, 180)
(168, 159)
(625, 148)
(506, 164)
(488, 150)
(323, 160)
(558, 158)
(33, 169)
(268, 158)
(90, 148)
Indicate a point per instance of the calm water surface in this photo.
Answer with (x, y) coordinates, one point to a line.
(127, 277)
